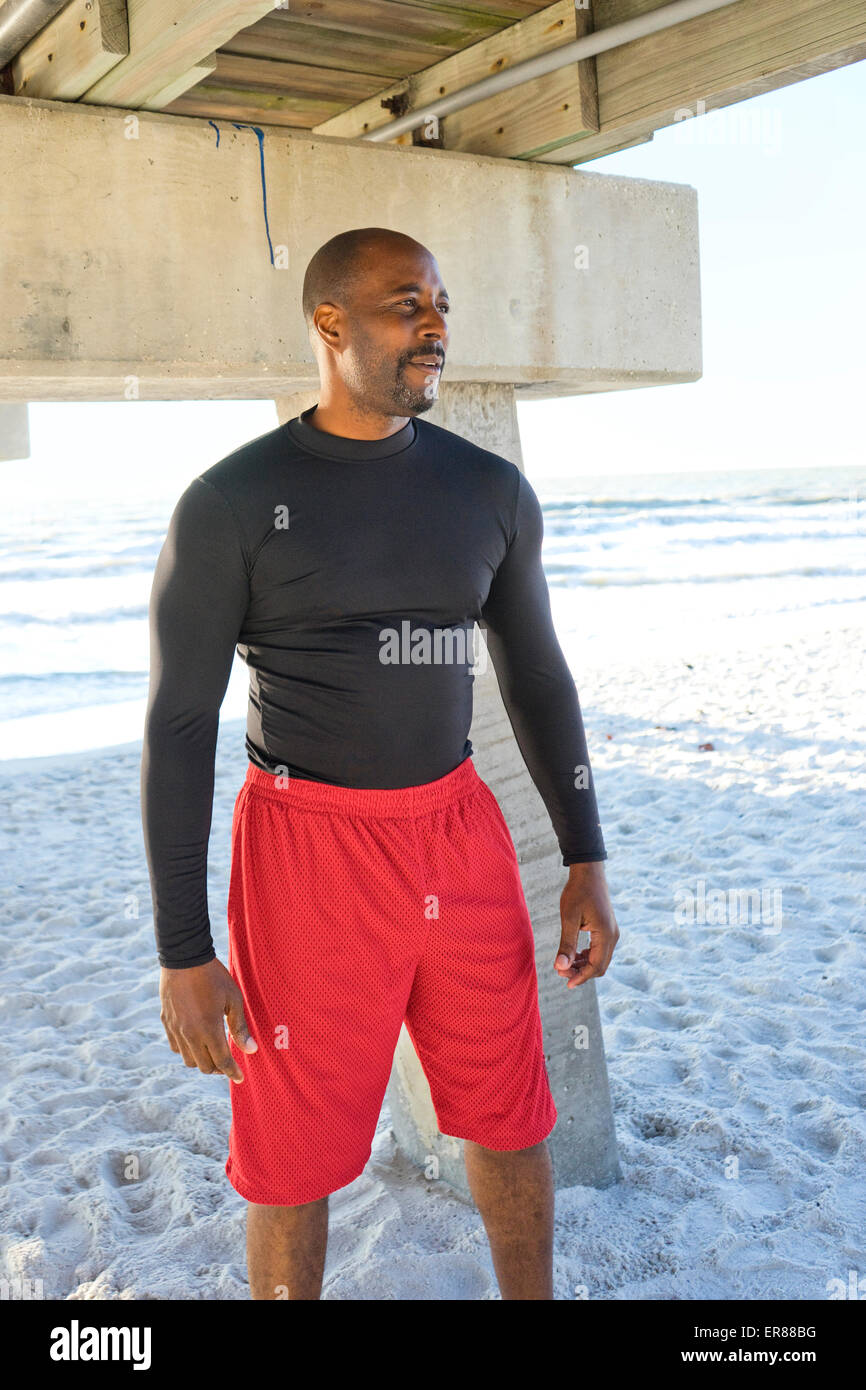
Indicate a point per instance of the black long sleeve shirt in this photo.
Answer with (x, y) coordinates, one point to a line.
(320, 559)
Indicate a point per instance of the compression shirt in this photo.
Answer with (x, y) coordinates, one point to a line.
(348, 574)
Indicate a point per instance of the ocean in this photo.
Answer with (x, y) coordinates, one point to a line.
(630, 560)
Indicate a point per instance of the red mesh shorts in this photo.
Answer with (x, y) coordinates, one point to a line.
(350, 911)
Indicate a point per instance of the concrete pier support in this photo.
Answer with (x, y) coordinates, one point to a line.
(293, 404)
(14, 432)
(583, 1146)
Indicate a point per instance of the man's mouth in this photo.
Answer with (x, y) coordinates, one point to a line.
(427, 364)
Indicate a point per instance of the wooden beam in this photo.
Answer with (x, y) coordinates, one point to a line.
(627, 144)
(721, 58)
(536, 115)
(166, 39)
(182, 84)
(81, 44)
(353, 122)
(477, 128)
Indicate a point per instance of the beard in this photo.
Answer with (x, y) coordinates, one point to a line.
(392, 388)
(414, 400)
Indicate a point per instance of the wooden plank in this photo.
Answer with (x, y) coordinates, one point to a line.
(81, 44)
(388, 55)
(627, 144)
(302, 79)
(509, 11)
(166, 39)
(548, 29)
(269, 108)
(721, 58)
(182, 84)
(441, 28)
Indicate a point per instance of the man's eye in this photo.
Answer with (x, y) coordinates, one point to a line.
(443, 308)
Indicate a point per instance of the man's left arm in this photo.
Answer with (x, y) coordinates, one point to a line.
(542, 703)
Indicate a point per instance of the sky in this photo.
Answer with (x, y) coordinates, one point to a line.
(781, 184)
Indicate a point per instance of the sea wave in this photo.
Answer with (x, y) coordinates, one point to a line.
(567, 576)
(102, 615)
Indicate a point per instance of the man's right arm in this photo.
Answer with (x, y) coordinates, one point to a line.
(198, 602)
(199, 599)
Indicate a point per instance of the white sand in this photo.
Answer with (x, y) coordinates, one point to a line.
(722, 1041)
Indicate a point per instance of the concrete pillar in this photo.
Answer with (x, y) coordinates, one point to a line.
(583, 1146)
(14, 432)
(483, 411)
(293, 404)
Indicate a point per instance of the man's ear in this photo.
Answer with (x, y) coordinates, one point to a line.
(327, 326)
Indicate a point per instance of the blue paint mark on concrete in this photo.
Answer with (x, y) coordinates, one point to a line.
(260, 135)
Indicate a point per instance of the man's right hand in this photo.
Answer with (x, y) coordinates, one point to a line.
(194, 1003)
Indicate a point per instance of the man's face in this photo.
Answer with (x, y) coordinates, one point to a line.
(395, 332)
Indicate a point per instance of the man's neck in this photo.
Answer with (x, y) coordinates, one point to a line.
(351, 423)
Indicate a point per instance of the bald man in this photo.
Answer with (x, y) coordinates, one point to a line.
(347, 556)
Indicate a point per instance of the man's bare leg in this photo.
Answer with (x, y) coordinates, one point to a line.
(513, 1190)
(286, 1250)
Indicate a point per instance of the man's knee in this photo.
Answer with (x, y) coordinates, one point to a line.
(504, 1154)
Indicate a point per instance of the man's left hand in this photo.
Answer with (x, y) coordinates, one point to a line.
(585, 906)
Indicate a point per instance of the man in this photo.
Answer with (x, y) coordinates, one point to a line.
(347, 555)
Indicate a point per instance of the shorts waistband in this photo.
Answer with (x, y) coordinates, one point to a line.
(462, 781)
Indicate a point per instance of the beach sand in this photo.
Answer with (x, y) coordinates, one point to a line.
(735, 1051)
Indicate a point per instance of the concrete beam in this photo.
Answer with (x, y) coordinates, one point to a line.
(148, 256)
